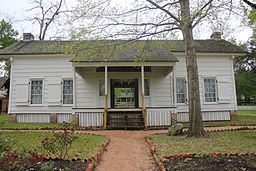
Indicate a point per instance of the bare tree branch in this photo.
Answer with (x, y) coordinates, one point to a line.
(253, 5)
(199, 12)
(166, 11)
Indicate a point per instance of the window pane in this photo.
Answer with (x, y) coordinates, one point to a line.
(67, 91)
(181, 90)
(210, 90)
(36, 91)
(146, 87)
(101, 87)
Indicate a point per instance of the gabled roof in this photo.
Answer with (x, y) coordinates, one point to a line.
(118, 50)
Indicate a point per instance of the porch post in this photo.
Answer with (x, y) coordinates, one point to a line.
(74, 87)
(174, 88)
(106, 97)
(143, 95)
(142, 87)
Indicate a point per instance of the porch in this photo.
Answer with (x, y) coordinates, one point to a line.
(121, 96)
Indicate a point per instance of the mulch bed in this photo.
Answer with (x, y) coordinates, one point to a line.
(58, 165)
(219, 162)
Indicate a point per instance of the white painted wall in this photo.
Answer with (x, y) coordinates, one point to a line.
(217, 66)
(51, 69)
(88, 87)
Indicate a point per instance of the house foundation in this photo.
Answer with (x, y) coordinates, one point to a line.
(232, 115)
(53, 118)
(13, 118)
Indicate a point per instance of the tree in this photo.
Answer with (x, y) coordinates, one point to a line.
(155, 19)
(245, 66)
(47, 12)
(7, 37)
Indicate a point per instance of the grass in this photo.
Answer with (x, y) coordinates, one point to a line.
(4, 123)
(85, 146)
(244, 112)
(243, 118)
(221, 142)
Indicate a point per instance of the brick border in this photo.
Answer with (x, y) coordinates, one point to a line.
(159, 160)
(95, 160)
(92, 161)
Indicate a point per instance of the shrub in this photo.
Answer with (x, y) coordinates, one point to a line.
(59, 143)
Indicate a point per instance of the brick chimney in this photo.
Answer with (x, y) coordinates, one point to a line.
(216, 36)
(28, 37)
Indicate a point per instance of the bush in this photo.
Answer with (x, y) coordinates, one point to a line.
(59, 143)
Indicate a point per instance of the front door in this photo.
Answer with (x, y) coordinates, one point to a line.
(124, 93)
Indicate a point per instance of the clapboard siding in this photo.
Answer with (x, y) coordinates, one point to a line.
(159, 117)
(64, 117)
(211, 66)
(47, 68)
(206, 116)
(90, 119)
(32, 118)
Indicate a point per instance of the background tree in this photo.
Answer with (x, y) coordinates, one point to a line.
(245, 66)
(154, 19)
(46, 14)
(7, 37)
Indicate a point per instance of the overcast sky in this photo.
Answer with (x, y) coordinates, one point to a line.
(16, 10)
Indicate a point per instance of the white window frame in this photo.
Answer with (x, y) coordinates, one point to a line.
(185, 91)
(30, 86)
(62, 95)
(216, 90)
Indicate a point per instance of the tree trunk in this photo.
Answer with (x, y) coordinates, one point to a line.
(195, 115)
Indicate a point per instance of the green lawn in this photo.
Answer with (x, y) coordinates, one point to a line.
(85, 146)
(222, 142)
(243, 118)
(244, 112)
(4, 123)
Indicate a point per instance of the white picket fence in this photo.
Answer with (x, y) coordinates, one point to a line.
(246, 107)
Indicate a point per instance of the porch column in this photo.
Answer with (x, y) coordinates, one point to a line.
(174, 87)
(74, 87)
(106, 97)
(142, 87)
(142, 96)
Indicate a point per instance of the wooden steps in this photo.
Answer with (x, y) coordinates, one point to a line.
(127, 118)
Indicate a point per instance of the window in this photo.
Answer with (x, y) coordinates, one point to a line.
(67, 92)
(146, 87)
(36, 92)
(210, 90)
(101, 87)
(181, 90)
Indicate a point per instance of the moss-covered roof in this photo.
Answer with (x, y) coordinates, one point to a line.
(118, 50)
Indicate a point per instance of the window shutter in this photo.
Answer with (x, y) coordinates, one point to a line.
(224, 89)
(21, 92)
(54, 86)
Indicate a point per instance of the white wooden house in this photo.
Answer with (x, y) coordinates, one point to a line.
(119, 83)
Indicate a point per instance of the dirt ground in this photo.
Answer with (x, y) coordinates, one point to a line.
(127, 151)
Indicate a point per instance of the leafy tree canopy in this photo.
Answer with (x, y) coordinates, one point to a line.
(7, 34)
(7, 37)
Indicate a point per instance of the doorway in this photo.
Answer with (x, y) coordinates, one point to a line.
(124, 93)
